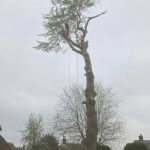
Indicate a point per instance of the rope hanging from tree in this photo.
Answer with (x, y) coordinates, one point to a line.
(69, 69)
(77, 64)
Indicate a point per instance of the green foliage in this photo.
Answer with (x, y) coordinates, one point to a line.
(102, 147)
(135, 146)
(33, 131)
(47, 142)
(62, 147)
(70, 12)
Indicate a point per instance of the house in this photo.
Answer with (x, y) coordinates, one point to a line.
(4, 145)
(16, 148)
(146, 142)
(8, 146)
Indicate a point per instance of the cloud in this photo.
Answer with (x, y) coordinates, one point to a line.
(30, 80)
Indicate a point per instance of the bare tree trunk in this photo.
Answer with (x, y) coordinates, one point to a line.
(91, 131)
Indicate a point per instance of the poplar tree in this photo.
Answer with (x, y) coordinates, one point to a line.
(33, 131)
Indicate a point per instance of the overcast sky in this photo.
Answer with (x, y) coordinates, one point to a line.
(31, 80)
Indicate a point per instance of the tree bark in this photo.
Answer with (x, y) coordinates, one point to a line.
(90, 141)
(91, 131)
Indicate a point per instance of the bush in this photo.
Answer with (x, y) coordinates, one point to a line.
(47, 142)
(102, 147)
(135, 146)
(62, 147)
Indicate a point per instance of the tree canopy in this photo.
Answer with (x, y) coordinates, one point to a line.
(33, 131)
(67, 22)
(47, 142)
(72, 122)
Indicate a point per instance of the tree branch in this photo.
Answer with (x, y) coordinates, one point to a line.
(74, 49)
(71, 43)
(93, 17)
(84, 30)
(74, 44)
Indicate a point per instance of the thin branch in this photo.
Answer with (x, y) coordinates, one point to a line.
(79, 27)
(84, 30)
(74, 49)
(75, 44)
(93, 17)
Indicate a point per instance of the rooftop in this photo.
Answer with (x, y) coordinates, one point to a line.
(4, 145)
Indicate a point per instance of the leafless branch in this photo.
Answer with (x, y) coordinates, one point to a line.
(73, 119)
(93, 17)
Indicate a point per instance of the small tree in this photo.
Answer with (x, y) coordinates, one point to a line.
(33, 131)
(72, 122)
(47, 142)
(135, 146)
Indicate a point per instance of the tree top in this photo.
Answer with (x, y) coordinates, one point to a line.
(66, 25)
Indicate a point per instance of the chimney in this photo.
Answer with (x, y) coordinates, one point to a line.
(140, 138)
(64, 140)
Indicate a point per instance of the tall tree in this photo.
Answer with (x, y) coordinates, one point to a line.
(66, 24)
(72, 122)
(33, 131)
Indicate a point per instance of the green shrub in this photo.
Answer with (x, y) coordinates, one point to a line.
(102, 147)
(135, 146)
(47, 142)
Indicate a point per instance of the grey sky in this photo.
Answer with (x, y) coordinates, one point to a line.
(30, 80)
